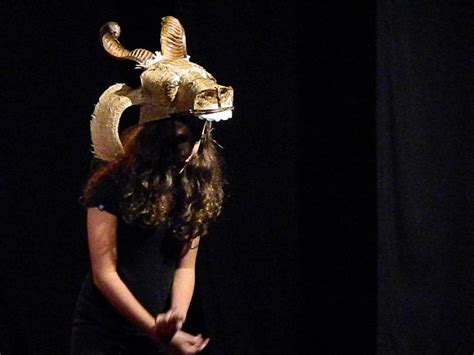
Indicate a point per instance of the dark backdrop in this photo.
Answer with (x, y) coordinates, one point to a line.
(53, 73)
(425, 170)
(336, 165)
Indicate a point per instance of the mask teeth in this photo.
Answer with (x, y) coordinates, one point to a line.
(216, 116)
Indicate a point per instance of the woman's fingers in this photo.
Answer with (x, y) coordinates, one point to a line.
(169, 316)
(199, 342)
(179, 320)
(204, 344)
(192, 344)
(175, 320)
(173, 316)
(164, 324)
(192, 339)
(199, 346)
(169, 323)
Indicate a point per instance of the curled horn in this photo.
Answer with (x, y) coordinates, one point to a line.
(109, 34)
(105, 121)
(173, 38)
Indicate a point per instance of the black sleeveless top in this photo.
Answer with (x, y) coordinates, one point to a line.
(146, 262)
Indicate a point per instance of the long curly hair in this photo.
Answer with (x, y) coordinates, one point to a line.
(154, 190)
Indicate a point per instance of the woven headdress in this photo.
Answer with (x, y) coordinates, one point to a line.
(171, 84)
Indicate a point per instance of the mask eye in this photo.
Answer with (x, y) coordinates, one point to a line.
(209, 94)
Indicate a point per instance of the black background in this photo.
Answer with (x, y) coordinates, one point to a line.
(425, 172)
(300, 161)
(337, 169)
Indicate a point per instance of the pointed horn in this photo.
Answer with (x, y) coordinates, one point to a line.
(173, 38)
(109, 34)
(105, 121)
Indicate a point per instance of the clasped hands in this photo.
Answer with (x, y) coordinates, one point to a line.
(167, 330)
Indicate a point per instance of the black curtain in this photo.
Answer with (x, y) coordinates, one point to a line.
(336, 165)
(425, 146)
(54, 70)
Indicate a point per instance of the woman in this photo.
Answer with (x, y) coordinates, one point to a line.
(150, 201)
(146, 212)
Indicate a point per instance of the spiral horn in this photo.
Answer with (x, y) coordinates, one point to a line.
(109, 34)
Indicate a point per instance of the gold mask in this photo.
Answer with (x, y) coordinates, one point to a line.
(170, 84)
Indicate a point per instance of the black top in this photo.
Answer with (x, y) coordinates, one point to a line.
(146, 262)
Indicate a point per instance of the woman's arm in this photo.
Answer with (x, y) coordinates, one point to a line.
(184, 279)
(102, 240)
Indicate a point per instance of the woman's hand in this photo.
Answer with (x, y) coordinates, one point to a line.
(183, 343)
(167, 324)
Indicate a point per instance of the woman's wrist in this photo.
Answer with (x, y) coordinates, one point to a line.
(154, 333)
(161, 342)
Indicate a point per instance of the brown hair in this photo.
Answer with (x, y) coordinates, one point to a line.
(154, 192)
